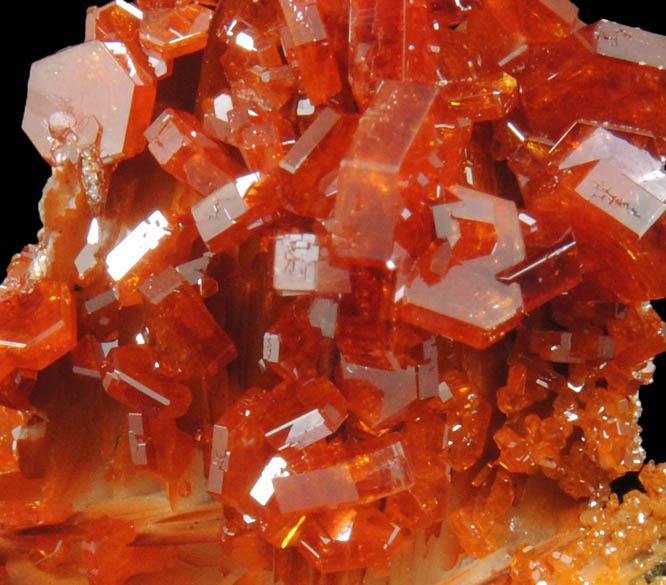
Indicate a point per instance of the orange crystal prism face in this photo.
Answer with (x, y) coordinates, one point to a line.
(614, 185)
(483, 316)
(307, 46)
(338, 293)
(176, 141)
(369, 196)
(133, 377)
(117, 24)
(38, 326)
(112, 22)
(377, 395)
(367, 477)
(350, 538)
(632, 193)
(221, 211)
(176, 32)
(181, 326)
(312, 412)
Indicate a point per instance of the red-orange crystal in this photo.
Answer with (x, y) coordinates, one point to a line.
(338, 293)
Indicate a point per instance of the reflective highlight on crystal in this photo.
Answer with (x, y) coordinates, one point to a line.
(338, 293)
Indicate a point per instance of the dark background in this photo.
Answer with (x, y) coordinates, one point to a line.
(47, 26)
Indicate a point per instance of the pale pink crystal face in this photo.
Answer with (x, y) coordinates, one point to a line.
(85, 83)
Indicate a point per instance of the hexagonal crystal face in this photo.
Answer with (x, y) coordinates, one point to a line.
(86, 82)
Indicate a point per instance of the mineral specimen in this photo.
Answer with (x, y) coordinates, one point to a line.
(338, 293)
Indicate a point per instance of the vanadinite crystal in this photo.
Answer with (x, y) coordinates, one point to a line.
(338, 293)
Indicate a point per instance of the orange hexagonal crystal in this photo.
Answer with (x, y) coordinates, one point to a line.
(175, 32)
(38, 325)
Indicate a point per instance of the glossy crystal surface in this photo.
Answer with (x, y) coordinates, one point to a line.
(338, 293)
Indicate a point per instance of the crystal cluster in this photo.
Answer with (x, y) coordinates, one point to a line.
(337, 293)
